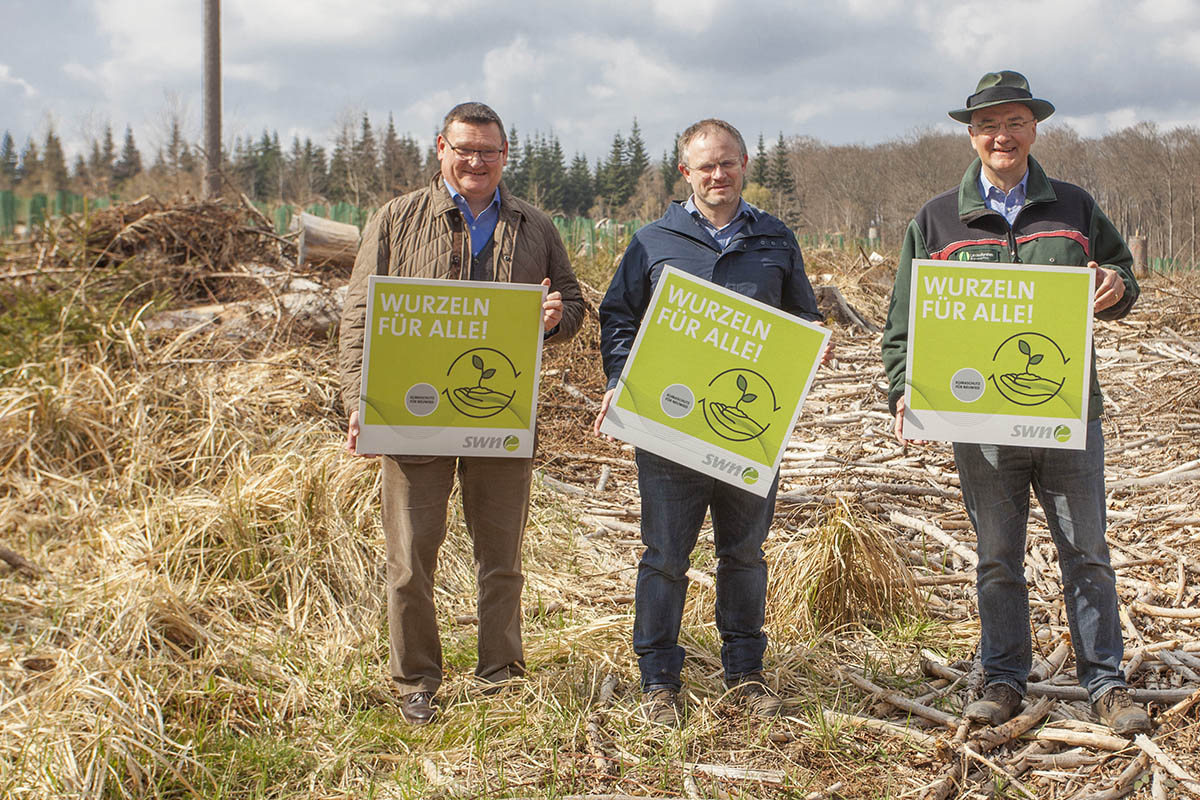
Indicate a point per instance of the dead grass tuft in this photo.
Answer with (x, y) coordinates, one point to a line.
(844, 572)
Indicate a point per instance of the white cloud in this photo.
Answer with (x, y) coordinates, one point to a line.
(8, 79)
(691, 16)
(1167, 12)
(1183, 46)
(514, 67)
(630, 68)
(79, 72)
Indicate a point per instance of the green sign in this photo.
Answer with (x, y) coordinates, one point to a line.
(450, 367)
(999, 354)
(715, 381)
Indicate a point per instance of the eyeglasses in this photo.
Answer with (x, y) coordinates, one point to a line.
(466, 153)
(711, 167)
(1012, 126)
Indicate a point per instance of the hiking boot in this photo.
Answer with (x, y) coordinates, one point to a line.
(998, 704)
(1116, 709)
(751, 692)
(417, 708)
(660, 706)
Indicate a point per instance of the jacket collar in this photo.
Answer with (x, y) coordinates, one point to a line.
(679, 220)
(970, 201)
(443, 203)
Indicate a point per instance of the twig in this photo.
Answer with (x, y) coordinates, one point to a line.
(1177, 772)
(929, 529)
(19, 562)
(913, 735)
(901, 701)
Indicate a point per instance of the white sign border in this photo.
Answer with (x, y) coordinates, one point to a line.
(683, 448)
(999, 429)
(429, 440)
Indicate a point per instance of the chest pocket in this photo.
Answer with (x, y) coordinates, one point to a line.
(757, 267)
(986, 253)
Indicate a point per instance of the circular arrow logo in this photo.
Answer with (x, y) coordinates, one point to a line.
(746, 402)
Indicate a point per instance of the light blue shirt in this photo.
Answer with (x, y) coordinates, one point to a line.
(483, 226)
(1008, 205)
(722, 236)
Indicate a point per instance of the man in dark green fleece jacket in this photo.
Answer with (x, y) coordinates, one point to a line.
(1007, 210)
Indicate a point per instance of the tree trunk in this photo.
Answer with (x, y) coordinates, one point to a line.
(323, 241)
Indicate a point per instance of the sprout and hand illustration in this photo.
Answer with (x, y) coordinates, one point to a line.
(479, 400)
(1027, 387)
(730, 421)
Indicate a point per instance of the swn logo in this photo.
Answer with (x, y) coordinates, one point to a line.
(749, 475)
(1059, 433)
(509, 443)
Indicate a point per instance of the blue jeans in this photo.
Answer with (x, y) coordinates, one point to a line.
(1070, 486)
(674, 501)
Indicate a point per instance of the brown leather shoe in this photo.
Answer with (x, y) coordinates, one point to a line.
(998, 704)
(753, 694)
(417, 708)
(1116, 709)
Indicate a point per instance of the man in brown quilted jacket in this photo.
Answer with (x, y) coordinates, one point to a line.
(464, 225)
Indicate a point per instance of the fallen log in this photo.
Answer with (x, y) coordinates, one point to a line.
(323, 241)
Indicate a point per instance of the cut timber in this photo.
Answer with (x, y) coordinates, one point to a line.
(833, 303)
(323, 241)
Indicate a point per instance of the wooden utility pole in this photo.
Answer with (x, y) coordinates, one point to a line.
(211, 89)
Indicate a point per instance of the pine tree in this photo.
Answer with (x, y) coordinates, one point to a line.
(176, 146)
(391, 160)
(29, 173)
(79, 174)
(268, 168)
(782, 184)
(759, 170)
(578, 192)
(9, 162)
(54, 163)
(611, 178)
(780, 180)
(364, 173)
(669, 167)
(636, 159)
(108, 149)
(339, 166)
(130, 162)
(516, 178)
(556, 176)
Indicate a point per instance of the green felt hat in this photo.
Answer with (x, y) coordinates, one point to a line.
(997, 88)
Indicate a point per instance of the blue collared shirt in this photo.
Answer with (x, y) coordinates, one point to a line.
(1009, 205)
(483, 226)
(722, 236)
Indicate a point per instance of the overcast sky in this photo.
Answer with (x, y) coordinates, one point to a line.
(842, 71)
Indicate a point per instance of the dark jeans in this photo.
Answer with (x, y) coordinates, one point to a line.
(1070, 486)
(674, 501)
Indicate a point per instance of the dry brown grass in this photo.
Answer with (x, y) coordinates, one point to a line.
(844, 573)
(208, 619)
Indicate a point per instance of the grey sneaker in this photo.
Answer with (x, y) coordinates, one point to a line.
(998, 704)
(751, 692)
(660, 706)
(1116, 709)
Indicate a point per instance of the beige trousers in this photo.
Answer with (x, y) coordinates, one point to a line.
(495, 495)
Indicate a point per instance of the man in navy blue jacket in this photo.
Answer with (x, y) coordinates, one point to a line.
(715, 235)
